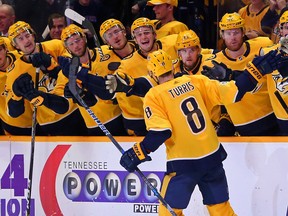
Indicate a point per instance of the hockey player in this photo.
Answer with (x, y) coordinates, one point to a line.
(166, 23)
(277, 82)
(14, 127)
(144, 35)
(190, 54)
(117, 47)
(54, 112)
(235, 57)
(189, 62)
(177, 114)
(96, 64)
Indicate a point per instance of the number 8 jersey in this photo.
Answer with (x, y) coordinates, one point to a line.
(184, 106)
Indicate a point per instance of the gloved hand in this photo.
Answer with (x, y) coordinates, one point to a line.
(284, 44)
(133, 157)
(262, 65)
(218, 72)
(64, 63)
(88, 97)
(82, 75)
(41, 59)
(24, 86)
(226, 127)
(120, 82)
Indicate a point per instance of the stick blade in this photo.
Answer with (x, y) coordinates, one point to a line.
(73, 15)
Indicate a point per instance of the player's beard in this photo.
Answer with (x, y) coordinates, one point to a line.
(234, 47)
(120, 48)
(83, 52)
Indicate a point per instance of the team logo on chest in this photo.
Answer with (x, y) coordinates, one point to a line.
(280, 83)
(47, 83)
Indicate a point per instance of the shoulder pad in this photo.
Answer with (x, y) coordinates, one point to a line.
(175, 61)
(213, 56)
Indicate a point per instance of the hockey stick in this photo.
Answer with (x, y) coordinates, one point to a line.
(76, 17)
(72, 87)
(33, 134)
(45, 33)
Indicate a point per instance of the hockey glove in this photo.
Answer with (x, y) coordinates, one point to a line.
(120, 82)
(133, 157)
(88, 97)
(262, 65)
(226, 127)
(24, 86)
(64, 63)
(82, 75)
(218, 72)
(44, 61)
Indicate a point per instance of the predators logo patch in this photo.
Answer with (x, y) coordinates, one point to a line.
(104, 57)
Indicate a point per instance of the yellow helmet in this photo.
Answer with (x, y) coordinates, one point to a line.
(159, 63)
(140, 22)
(186, 39)
(18, 28)
(231, 21)
(106, 25)
(284, 18)
(159, 2)
(70, 30)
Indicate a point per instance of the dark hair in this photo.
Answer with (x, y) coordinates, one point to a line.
(55, 16)
(283, 10)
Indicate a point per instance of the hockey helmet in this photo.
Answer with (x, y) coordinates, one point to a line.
(284, 18)
(186, 39)
(108, 24)
(140, 22)
(231, 21)
(18, 28)
(159, 63)
(70, 30)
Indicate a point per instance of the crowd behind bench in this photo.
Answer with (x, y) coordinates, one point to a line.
(124, 115)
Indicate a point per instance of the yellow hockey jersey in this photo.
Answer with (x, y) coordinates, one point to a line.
(136, 66)
(46, 84)
(253, 20)
(183, 106)
(173, 27)
(256, 105)
(278, 93)
(105, 110)
(21, 121)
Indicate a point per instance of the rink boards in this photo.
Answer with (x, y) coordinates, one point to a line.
(82, 176)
